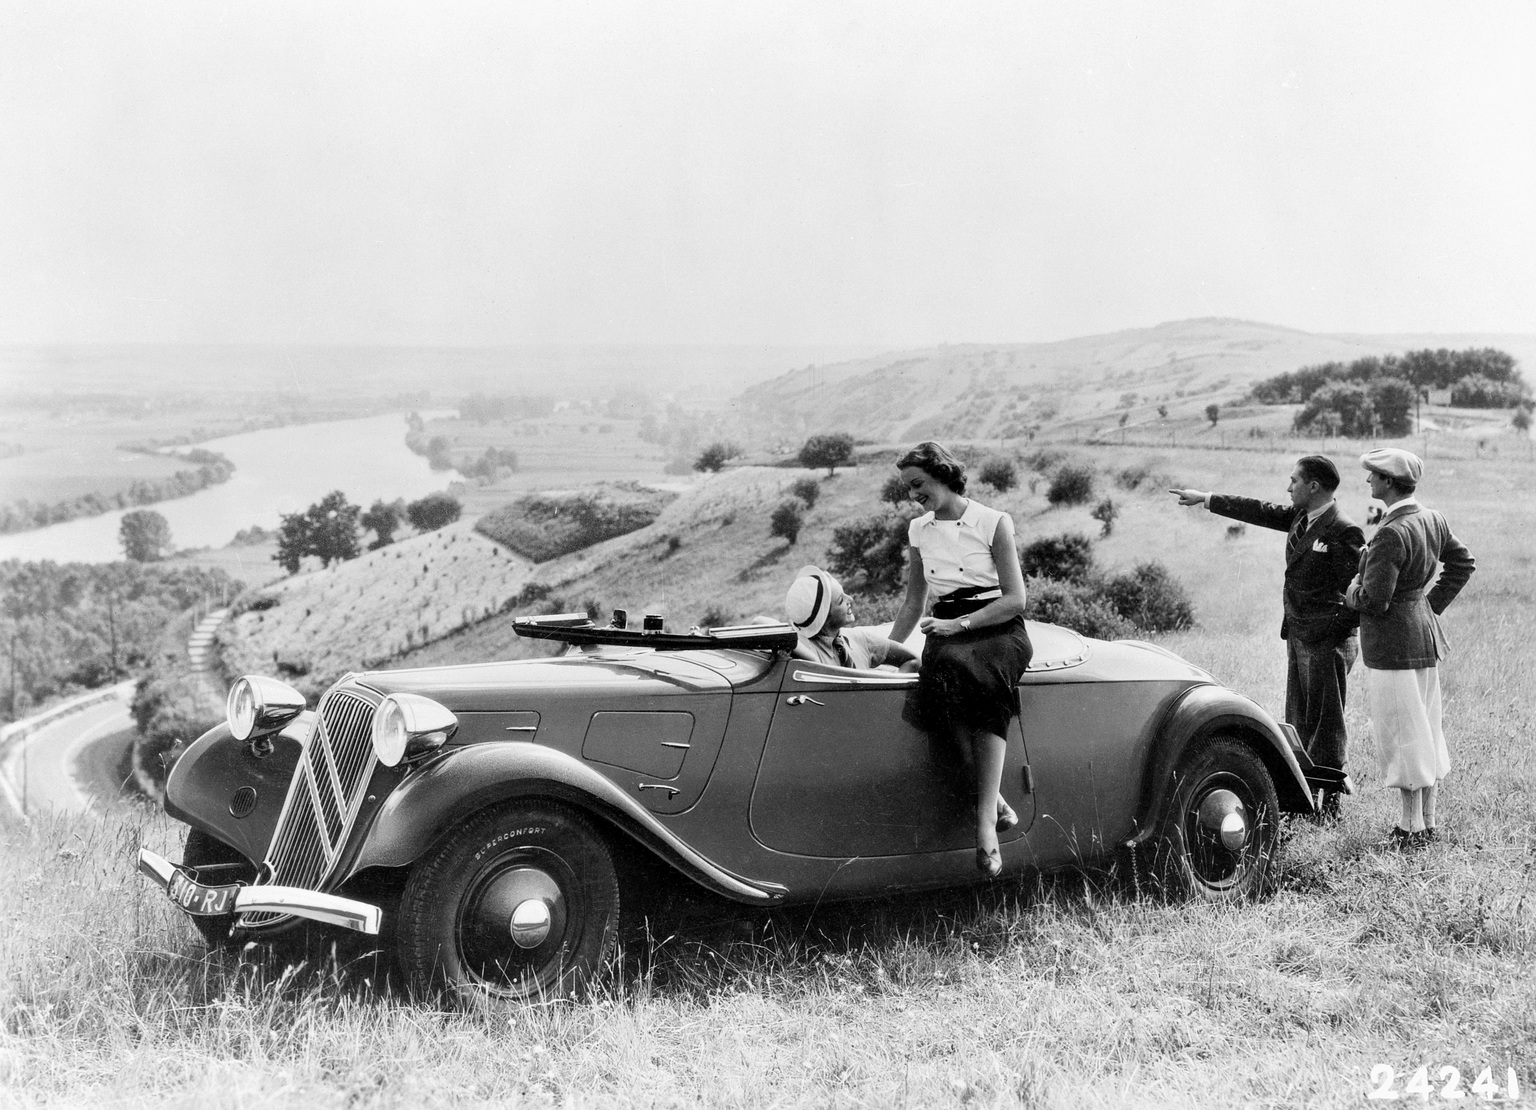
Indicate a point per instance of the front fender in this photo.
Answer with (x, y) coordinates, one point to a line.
(201, 787)
(1204, 710)
(452, 786)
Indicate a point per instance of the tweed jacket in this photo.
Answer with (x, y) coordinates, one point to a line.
(1399, 610)
(1320, 560)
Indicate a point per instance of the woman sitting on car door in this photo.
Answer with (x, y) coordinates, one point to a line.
(977, 646)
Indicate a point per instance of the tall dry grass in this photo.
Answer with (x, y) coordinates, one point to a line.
(1061, 992)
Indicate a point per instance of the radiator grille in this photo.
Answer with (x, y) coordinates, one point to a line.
(323, 798)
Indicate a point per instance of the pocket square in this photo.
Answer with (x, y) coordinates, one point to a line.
(1320, 547)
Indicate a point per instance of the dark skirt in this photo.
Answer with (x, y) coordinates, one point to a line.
(970, 679)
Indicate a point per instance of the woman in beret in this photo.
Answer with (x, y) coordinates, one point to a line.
(976, 646)
(1400, 638)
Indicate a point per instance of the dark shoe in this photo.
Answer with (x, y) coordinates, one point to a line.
(1328, 808)
(1007, 819)
(1424, 838)
(989, 861)
(1399, 839)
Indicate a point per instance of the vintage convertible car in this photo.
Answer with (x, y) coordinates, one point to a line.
(486, 815)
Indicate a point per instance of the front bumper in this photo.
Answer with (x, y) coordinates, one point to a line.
(360, 917)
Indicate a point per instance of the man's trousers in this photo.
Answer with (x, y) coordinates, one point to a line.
(1314, 695)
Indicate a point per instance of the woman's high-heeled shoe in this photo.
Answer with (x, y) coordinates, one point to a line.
(989, 861)
(1006, 818)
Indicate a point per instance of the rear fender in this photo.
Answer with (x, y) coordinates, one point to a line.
(201, 787)
(449, 788)
(1205, 711)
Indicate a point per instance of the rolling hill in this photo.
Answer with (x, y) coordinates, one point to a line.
(1005, 391)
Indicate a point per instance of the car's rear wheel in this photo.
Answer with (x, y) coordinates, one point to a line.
(1222, 827)
(215, 862)
(519, 902)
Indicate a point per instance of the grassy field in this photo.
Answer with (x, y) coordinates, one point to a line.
(358, 613)
(1061, 992)
(564, 450)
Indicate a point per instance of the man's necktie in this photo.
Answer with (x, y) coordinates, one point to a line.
(1294, 543)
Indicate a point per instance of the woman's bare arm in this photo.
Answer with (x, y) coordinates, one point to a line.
(1010, 580)
(917, 597)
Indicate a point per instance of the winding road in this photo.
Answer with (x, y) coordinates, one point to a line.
(68, 757)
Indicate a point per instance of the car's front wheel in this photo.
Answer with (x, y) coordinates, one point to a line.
(215, 862)
(519, 902)
(1221, 830)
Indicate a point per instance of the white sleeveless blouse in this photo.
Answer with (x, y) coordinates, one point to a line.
(957, 553)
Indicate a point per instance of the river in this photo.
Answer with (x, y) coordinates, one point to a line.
(277, 470)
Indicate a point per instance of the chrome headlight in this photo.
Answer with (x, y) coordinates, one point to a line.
(409, 725)
(259, 705)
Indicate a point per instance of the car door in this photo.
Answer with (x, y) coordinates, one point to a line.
(843, 775)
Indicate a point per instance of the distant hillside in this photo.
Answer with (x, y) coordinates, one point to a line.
(996, 391)
(312, 628)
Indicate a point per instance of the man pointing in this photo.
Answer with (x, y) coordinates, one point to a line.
(1322, 553)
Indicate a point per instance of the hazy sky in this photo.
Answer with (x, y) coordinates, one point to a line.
(824, 172)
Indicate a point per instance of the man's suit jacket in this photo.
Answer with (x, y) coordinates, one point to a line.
(1399, 614)
(1320, 560)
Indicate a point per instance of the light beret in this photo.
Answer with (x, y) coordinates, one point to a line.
(810, 599)
(1395, 463)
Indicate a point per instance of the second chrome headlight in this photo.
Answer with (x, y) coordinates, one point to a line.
(409, 725)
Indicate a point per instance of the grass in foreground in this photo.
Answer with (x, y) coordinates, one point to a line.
(1063, 992)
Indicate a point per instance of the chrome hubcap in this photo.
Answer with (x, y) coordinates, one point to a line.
(530, 923)
(1222, 815)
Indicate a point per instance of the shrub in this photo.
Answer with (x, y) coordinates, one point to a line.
(894, 491)
(1150, 598)
(1000, 474)
(874, 549)
(433, 511)
(1132, 476)
(1045, 460)
(1070, 485)
(713, 457)
(1064, 558)
(807, 490)
(1213, 413)
(542, 527)
(1075, 605)
(786, 521)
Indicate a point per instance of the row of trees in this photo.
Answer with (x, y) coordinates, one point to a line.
(1371, 394)
(70, 626)
(830, 450)
(212, 468)
(330, 529)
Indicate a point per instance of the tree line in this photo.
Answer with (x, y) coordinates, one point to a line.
(22, 515)
(1374, 394)
(74, 626)
(331, 529)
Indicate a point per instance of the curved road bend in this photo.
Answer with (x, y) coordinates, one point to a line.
(42, 770)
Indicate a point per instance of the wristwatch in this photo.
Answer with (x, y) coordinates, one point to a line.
(965, 624)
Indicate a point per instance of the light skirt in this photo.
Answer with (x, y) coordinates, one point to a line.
(1405, 716)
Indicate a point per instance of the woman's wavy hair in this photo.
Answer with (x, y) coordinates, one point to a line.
(935, 460)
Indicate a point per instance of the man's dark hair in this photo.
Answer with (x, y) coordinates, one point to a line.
(1317, 468)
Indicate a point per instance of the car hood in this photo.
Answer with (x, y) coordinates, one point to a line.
(480, 687)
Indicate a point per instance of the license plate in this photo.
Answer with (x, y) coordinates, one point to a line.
(194, 897)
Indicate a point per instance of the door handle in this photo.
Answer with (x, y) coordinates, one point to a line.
(802, 699)
(671, 790)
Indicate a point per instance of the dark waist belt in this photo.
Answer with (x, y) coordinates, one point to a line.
(965, 600)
